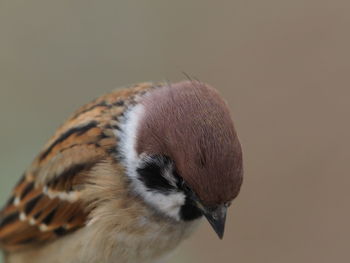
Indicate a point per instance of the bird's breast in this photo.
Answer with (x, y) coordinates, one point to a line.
(146, 241)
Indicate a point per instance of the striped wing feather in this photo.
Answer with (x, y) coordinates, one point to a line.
(46, 202)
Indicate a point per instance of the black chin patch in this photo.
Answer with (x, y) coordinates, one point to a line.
(189, 211)
(151, 174)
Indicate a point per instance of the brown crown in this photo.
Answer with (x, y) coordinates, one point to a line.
(191, 123)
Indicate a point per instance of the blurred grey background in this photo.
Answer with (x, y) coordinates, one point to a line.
(283, 66)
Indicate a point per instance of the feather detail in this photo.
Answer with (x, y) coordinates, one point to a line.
(40, 215)
(47, 202)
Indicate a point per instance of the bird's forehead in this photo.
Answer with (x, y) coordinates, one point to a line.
(186, 116)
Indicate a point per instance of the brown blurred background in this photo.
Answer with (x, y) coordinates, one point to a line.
(283, 66)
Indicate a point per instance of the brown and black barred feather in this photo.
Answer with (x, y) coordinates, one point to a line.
(46, 202)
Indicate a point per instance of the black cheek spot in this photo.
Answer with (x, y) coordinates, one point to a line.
(151, 176)
(189, 211)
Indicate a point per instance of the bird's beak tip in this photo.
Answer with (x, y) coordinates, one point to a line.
(217, 218)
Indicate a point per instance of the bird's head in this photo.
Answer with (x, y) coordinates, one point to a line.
(182, 152)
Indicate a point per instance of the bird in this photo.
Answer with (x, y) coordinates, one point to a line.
(126, 178)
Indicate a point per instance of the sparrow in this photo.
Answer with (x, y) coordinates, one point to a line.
(126, 178)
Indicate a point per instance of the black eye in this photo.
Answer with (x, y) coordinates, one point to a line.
(185, 187)
(181, 184)
(151, 173)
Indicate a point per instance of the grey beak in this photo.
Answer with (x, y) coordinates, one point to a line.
(217, 217)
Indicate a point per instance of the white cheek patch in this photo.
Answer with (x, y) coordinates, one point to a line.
(167, 203)
(170, 204)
